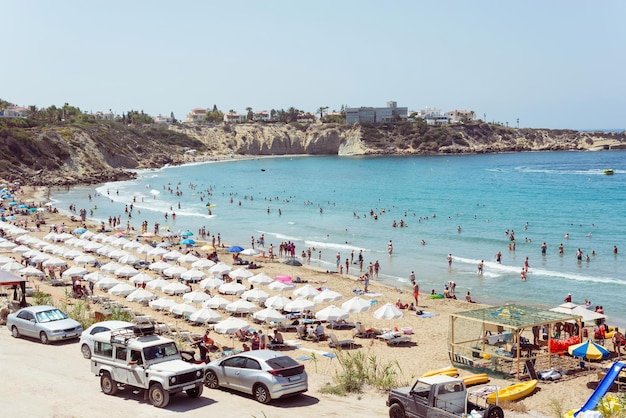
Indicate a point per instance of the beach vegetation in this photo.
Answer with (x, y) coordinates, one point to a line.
(42, 298)
(555, 406)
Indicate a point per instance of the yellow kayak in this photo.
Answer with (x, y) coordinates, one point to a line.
(448, 371)
(475, 379)
(513, 392)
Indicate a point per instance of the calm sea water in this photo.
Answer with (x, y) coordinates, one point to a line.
(327, 203)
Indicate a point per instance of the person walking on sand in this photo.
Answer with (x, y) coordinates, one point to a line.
(617, 339)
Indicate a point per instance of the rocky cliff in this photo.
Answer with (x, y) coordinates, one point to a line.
(70, 154)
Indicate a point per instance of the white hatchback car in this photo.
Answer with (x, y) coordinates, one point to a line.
(86, 339)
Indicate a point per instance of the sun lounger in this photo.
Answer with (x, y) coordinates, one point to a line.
(334, 342)
(341, 324)
(398, 341)
(389, 335)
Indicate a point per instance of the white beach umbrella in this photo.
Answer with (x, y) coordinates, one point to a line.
(17, 231)
(159, 266)
(203, 263)
(277, 302)
(64, 236)
(205, 315)
(7, 245)
(211, 283)
(87, 235)
(216, 302)
(51, 236)
(388, 311)
(196, 297)
(193, 275)
(269, 315)
(164, 245)
(120, 242)
(174, 271)
(188, 258)
(230, 325)
(241, 306)
(31, 272)
(261, 278)
(299, 305)
(331, 313)
(240, 274)
(356, 305)
(161, 304)
(249, 251)
(21, 249)
(232, 288)
(96, 276)
(105, 250)
(132, 245)
(126, 271)
(86, 259)
(129, 259)
(172, 255)
(255, 295)
(157, 284)
(12, 266)
(99, 237)
(141, 278)
(157, 252)
(54, 262)
(32, 253)
(144, 249)
(39, 258)
(50, 248)
(74, 271)
(71, 253)
(306, 291)
(327, 295)
(141, 295)
(183, 309)
(117, 254)
(280, 286)
(220, 269)
(175, 289)
(106, 283)
(5, 259)
(111, 267)
(121, 289)
(23, 239)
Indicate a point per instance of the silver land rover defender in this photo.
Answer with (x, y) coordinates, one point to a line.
(140, 359)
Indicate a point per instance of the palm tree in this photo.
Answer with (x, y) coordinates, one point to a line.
(321, 111)
(250, 115)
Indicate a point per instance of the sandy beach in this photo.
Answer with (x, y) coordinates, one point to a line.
(64, 385)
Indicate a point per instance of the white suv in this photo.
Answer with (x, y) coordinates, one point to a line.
(140, 359)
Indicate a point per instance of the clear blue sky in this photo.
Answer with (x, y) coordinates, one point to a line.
(552, 64)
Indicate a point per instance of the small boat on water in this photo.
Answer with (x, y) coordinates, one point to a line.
(513, 392)
(608, 171)
(475, 379)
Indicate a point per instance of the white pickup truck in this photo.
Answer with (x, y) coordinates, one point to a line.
(437, 397)
(140, 359)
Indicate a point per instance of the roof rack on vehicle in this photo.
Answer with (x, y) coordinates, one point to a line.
(122, 335)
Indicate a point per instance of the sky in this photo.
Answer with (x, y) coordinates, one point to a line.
(551, 64)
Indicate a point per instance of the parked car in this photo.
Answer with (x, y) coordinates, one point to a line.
(265, 374)
(46, 323)
(86, 339)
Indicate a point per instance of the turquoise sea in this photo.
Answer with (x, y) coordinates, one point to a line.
(327, 203)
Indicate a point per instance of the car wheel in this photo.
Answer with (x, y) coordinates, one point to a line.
(494, 411)
(159, 397)
(15, 333)
(86, 351)
(43, 337)
(195, 392)
(210, 380)
(396, 411)
(107, 384)
(262, 394)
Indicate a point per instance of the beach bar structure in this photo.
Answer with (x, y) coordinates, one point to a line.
(501, 338)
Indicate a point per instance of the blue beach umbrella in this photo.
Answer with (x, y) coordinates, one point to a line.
(13, 203)
(186, 233)
(234, 249)
(187, 241)
(22, 206)
(6, 196)
(32, 210)
(588, 350)
(80, 231)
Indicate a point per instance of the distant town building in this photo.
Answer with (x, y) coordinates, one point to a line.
(306, 118)
(461, 116)
(433, 116)
(164, 120)
(262, 116)
(103, 116)
(234, 117)
(391, 113)
(14, 112)
(197, 115)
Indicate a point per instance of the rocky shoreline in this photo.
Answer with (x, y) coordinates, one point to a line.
(71, 155)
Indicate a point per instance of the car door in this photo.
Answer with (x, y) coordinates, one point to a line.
(120, 372)
(136, 371)
(231, 372)
(27, 324)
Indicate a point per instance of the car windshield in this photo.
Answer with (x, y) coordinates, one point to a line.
(160, 351)
(51, 315)
(283, 362)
